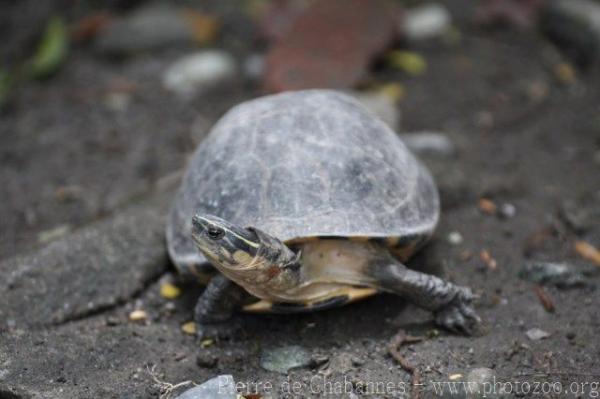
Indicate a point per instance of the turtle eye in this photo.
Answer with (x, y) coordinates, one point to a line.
(215, 233)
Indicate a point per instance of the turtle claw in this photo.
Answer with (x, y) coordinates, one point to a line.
(459, 316)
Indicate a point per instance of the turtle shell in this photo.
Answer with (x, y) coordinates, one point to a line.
(304, 164)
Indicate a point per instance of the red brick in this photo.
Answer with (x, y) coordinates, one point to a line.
(330, 45)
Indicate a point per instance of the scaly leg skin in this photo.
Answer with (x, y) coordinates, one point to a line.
(215, 307)
(451, 304)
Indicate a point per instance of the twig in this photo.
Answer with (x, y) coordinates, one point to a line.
(166, 388)
(400, 339)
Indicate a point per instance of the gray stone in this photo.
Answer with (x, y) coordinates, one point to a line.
(561, 275)
(150, 27)
(82, 273)
(426, 21)
(285, 358)
(221, 387)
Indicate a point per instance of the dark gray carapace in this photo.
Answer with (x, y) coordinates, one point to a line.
(301, 165)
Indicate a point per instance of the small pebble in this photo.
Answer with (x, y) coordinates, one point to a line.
(138, 315)
(169, 291)
(221, 387)
(200, 71)
(189, 328)
(535, 334)
(408, 61)
(455, 238)
(426, 21)
(561, 275)
(429, 143)
(507, 211)
(282, 359)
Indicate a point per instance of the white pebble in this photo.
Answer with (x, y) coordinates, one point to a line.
(426, 21)
(196, 72)
(508, 211)
(535, 334)
(455, 238)
(221, 387)
(429, 143)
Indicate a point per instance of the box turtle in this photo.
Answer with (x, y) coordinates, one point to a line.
(303, 201)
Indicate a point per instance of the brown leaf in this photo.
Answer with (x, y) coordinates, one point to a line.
(204, 27)
(487, 206)
(544, 298)
(588, 251)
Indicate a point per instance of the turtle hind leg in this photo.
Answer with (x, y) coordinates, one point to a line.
(451, 304)
(215, 308)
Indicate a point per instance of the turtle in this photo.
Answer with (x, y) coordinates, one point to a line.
(303, 201)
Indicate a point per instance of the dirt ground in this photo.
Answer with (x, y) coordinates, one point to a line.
(68, 160)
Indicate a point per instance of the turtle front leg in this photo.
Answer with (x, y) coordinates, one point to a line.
(451, 304)
(215, 308)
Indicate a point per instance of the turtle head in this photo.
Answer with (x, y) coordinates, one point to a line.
(246, 255)
(235, 247)
(223, 243)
